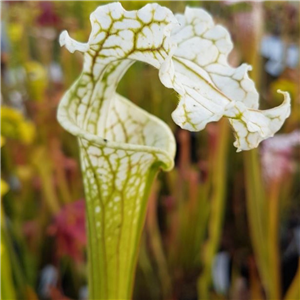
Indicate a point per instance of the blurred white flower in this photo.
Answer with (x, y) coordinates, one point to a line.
(221, 272)
(277, 155)
(83, 293)
(280, 54)
(48, 279)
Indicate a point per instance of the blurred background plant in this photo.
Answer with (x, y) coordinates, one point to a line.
(221, 225)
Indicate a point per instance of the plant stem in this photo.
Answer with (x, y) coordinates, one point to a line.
(263, 226)
(7, 286)
(256, 210)
(217, 208)
(113, 240)
(156, 244)
(273, 227)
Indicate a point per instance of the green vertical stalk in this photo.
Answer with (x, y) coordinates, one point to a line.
(273, 227)
(7, 286)
(45, 172)
(113, 252)
(257, 213)
(216, 217)
(155, 239)
(62, 183)
(262, 218)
